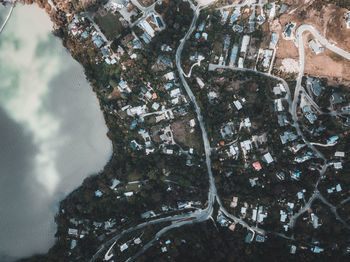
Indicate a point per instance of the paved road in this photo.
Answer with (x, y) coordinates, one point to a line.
(300, 44)
(303, 28)
(202, 215)
(97, 28)
(198, 215)
(142, 225)
(145, 10)
(212, 188)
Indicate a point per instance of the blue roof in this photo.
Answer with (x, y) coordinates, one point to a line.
(133, 124)
(133, 145)
(198, 35)
(288, 29)
(123, 83)
(159, 21)
(104, 51)
(145, 38)
(98, 193)
(274, 38)
(248, 238)
(97, 41)
(137, 43)
(85, 34)
(201, 27)
(260, 238)
(234, 18)
(234, 54)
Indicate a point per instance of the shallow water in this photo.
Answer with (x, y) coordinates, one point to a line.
(52, 132)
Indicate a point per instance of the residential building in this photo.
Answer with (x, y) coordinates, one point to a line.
(318, 49)
(245, 43)
(237, 104)
(339, 154)
(233, 56)
(268, 158)
(288, 136)
(257, 166)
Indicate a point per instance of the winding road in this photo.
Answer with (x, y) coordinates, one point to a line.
(201, 215)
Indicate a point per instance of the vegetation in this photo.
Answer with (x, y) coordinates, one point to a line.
(110, 25)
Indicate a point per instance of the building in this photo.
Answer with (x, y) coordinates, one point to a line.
(200, 82)
(277, 90)
(288, 136)
(318, 49)
(249, 238)
(293, 249)
(282, 120)
(72, 232)
(201, 27)
(148, 28)
(237, 28)
(240, 62)
(337, 165)
(246, 145)
(245, 43)
(233, 150)
(236, 13)
(192, 123)
(124, 247)
(336, 98)
(98, 193)
(205, 36)
(170, 76)
(237, 104)
(274, 40)
(257, 166)
(332, 140)
(315, 86)
(224, 15)
(247, 122)
(261, 19)
(317, 249)
(281, 176)
(278, 105)
(268, 158)
(283, 216)
(148, 214)
(97, 41)
(339, 154)
(287, 33)
(272, 11)
(234, 202)
(295, 175)
(314, 220)
(128, 194)
(267, 57)
(347, 20)
(233, 56)
(226, 131)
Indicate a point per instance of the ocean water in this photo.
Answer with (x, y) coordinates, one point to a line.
(52, 131)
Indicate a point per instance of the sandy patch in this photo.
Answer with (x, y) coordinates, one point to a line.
(286, 49)
(326, 64)
(327, 19)
(290, 65)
